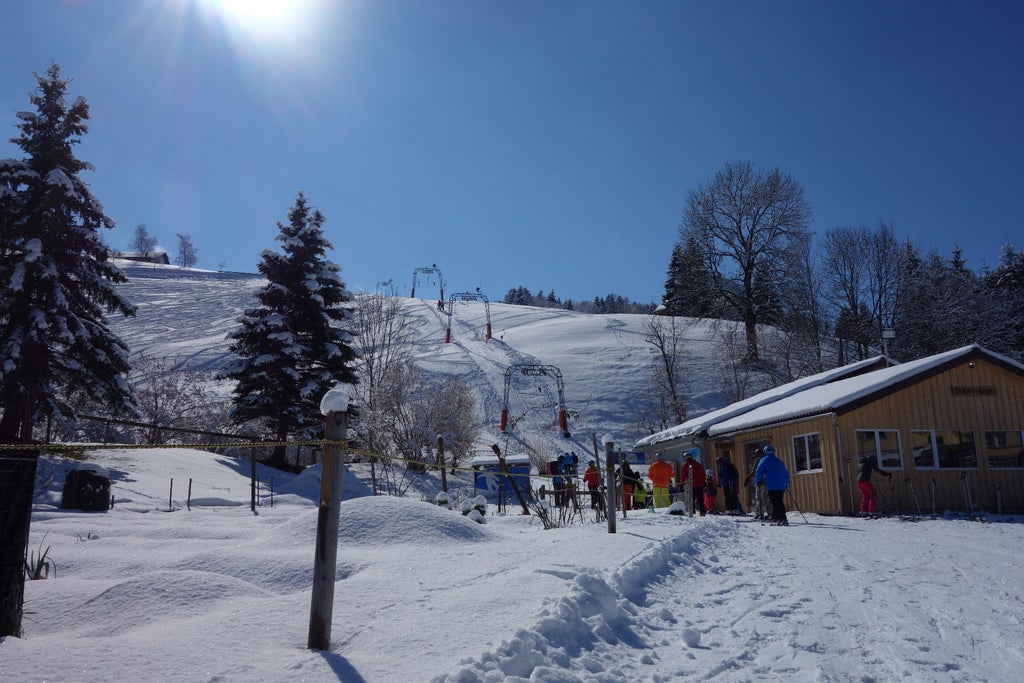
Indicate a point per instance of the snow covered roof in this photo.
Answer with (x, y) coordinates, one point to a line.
(816, 395)
(492, 460)
(701, 424)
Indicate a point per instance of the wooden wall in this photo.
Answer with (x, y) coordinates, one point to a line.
(975, 396)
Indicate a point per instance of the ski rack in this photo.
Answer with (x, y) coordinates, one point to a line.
(429, 270)
(536, 371)
(467, 296)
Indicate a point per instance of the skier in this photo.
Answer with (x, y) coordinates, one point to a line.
(557, 469)
(761, 507)
(729, 480)
(773, 473)
(693, 472)
(627, 477)
(591, 477)
(639, 494)
(710, 492)
(660, 473)
(868, 494)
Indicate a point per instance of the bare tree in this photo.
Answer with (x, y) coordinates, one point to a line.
(883, 278)
(665, 334)
(171, 394)
(143, 242)
(737, 374)
(384, 345)
(862, 273)
(744, 220)
(802, 323)
(844, 257)
(187, 253)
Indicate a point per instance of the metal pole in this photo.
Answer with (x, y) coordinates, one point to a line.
(325, 561)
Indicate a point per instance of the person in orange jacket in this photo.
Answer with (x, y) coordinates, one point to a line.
(660, 473)
(694, 472)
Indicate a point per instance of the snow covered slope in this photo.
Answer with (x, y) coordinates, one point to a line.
(604, 360)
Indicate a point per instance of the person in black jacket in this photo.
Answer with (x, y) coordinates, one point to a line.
(868, 494)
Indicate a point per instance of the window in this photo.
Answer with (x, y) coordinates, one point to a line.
(944, 449)
(1005, 449)
(883, 444)
(807, 453)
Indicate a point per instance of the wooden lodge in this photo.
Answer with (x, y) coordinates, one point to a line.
(949, 428)
(158, 257)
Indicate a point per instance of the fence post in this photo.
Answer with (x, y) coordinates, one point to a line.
(325, 560)
(252, 479)
(440, 456)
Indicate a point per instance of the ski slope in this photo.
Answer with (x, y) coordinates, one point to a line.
(605, 360)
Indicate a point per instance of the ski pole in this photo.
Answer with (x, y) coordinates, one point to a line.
(792, 499)
(913, 493)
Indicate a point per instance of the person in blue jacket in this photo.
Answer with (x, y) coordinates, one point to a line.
(773, 473)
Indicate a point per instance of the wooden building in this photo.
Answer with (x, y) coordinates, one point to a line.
(159, 257)
(949, 428)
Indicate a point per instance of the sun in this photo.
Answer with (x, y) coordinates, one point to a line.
(264, 21)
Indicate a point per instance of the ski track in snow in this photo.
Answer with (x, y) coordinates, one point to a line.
(694, 608)
(188, 314)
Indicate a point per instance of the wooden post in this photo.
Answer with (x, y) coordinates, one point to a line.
(440, 457)
(325, 561)
(609, 481)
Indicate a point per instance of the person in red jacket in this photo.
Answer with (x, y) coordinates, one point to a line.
(693, 472)
(660, 473)
(591, 477)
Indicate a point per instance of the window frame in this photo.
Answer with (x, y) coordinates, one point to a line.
(804, 439)
(937, 454)
(878, 452)
(1019, 444)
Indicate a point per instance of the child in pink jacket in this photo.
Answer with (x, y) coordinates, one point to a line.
(710, 493)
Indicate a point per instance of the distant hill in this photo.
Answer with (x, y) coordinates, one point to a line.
(604, 359)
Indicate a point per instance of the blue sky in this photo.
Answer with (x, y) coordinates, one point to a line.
(546, 144)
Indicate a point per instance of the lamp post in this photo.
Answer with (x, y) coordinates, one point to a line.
(887, 334)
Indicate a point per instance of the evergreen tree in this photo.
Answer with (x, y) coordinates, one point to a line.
(56, 284)
(1003, 293)
(690, 288)
(917, 328)
(520, 296)
(297, 343)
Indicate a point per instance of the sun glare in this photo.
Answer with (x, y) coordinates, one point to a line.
(264, 21)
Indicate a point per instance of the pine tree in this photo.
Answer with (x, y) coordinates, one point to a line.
(297, 344)
(690, 286)
(56, 284)
(1004, 296)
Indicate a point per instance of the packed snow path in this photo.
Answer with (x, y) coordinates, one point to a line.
(827, 599)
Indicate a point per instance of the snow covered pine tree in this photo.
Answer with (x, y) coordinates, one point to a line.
(297, 344)
(56, 282)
